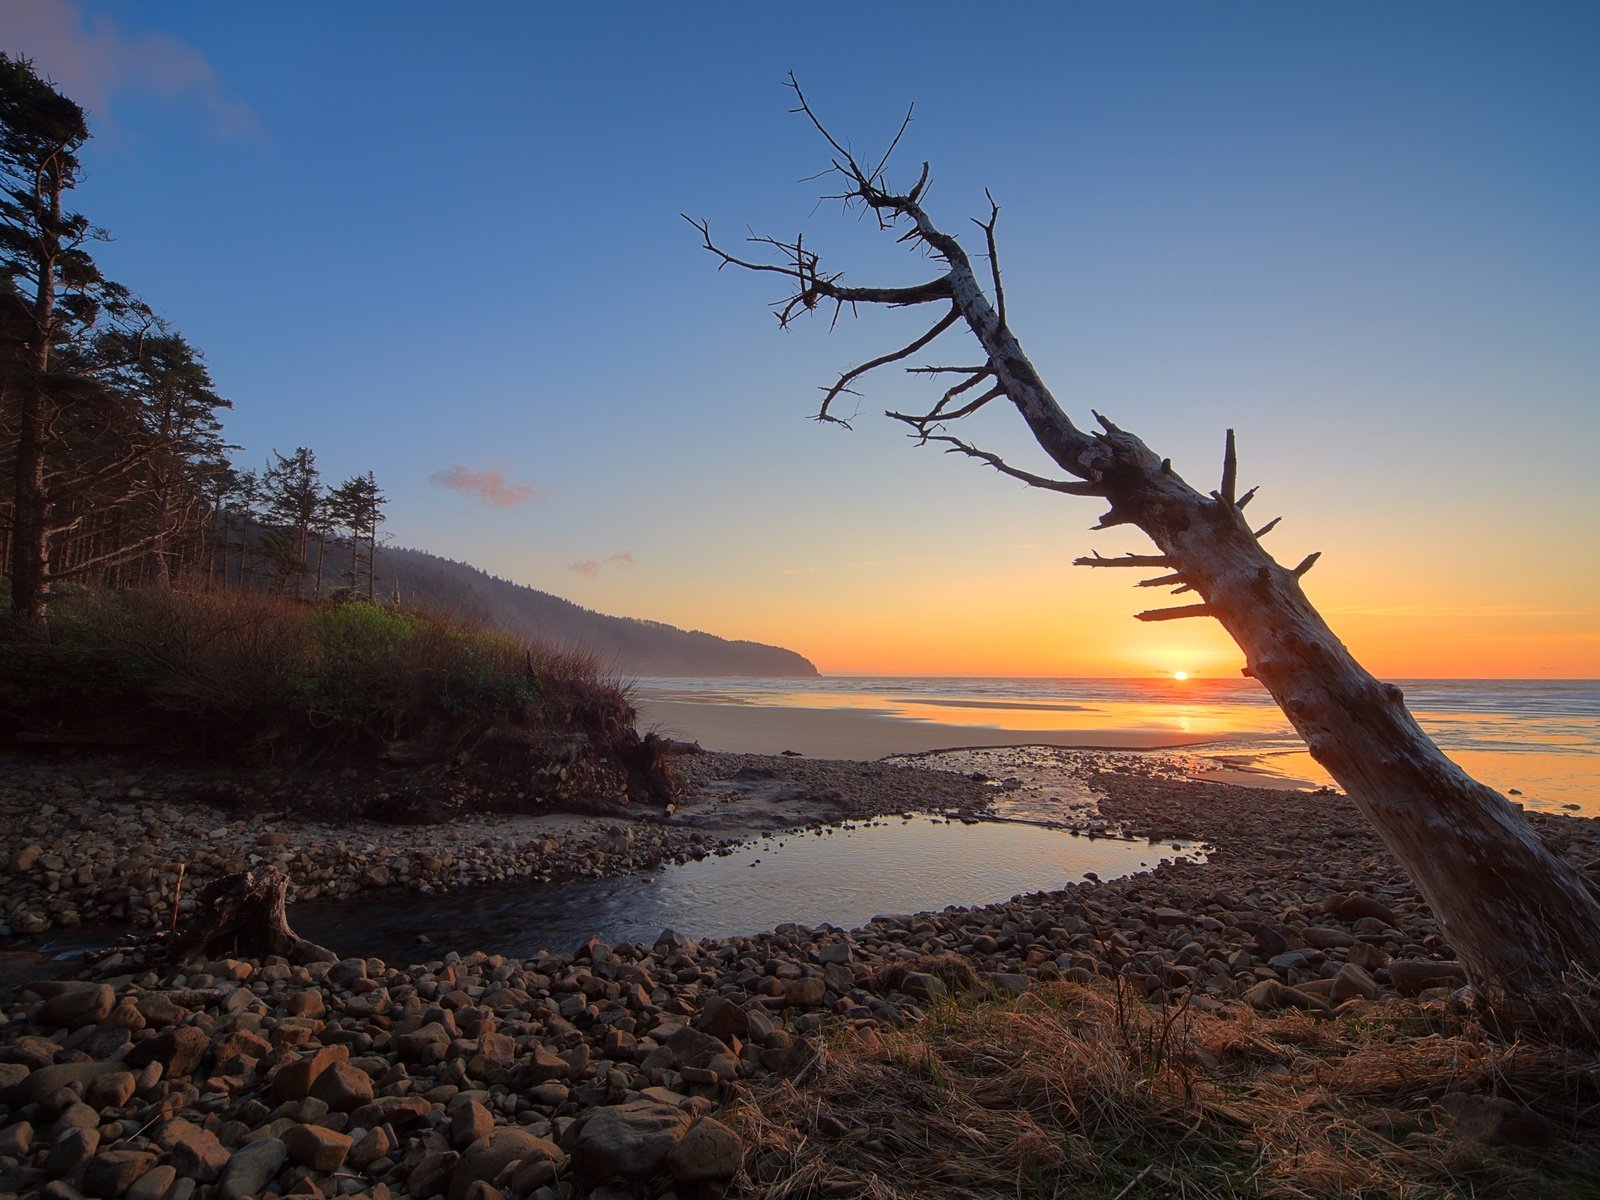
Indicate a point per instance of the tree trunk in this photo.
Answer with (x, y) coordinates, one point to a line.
(1516, 914)
(30, 546)
(1519, 917)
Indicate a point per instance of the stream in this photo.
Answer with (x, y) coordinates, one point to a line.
(842, 875)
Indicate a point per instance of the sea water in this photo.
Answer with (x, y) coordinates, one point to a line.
(1538, 741)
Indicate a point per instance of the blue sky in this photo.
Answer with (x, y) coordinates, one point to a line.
(1362, 234)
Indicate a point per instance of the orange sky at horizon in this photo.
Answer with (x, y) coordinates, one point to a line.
(1401, 619)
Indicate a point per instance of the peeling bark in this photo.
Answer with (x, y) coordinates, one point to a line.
(1519, 917)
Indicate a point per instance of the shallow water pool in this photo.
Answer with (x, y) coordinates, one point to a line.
(844, 876)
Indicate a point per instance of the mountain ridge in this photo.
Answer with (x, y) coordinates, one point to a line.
(629, 645)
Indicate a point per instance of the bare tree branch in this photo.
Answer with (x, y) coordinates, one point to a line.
(939, 327)
(1126, 560)
(1176, 614)
(957, 446)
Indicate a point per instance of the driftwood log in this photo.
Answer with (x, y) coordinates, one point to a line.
(1522, 920)
(242, 915)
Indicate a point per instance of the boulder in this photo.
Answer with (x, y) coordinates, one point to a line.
(251, 1167)
(342, 1087)
(630, 1140)
(112, 1172)
(316, 1146)
(78, 1007)
(199, 1156)
(1413, 975)
(708, 1150)
(489, 1155)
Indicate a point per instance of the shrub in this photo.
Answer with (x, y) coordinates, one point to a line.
(231, 674)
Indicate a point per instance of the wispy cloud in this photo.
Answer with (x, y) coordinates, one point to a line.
(90, 59)
(593, 566)
(492, 487)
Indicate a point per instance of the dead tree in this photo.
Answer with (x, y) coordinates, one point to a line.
(1518, 917)
(243, 913)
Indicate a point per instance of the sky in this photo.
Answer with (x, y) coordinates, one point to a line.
(446, 246)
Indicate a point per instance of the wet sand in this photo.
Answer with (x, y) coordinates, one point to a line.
(860, 733)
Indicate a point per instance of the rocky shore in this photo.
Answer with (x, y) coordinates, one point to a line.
(609, 1071)
(100, 843)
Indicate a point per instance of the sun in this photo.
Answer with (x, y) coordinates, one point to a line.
(1180, 676)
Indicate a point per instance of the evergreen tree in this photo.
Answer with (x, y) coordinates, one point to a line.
(357, 505)
(49, 371)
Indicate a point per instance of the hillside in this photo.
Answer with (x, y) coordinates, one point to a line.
(627, 645)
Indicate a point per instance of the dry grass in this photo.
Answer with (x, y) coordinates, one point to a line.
(251, 676)
(1077, 1091)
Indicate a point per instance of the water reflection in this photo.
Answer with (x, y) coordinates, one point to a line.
(843, 876)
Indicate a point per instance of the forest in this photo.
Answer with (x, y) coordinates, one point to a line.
(116, 465)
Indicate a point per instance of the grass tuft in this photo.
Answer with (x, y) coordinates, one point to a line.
(1076, 1091)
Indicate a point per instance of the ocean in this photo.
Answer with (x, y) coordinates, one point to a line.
(1537, 740)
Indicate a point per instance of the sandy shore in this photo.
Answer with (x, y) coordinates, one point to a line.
(863, 733)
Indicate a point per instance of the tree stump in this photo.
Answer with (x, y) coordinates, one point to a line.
(243, 915)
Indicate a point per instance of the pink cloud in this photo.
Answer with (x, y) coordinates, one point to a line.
(91, 59)
(491, 486)
(593, 566)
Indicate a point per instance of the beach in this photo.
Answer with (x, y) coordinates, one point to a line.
(637, 1068)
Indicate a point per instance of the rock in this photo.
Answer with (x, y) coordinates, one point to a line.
(155, 1183)
(46, 1081)
(111, 1091)
(199, 1156)
(540, 1066)
(251, 1167)
(372, 1145)
(488, 1156)
(469, 1122)
(425, 1044)
(294, 1080)
(178, 1051)
(1352, 981)
(702, 1051)
(25, 859)
(73, 1147)
(1413, 975)
(708, 1150)
(316, 1146)
(629, 1140)
(78, 1007)
(1008, 984)
(1357, 905)
(923, 986)
(1323, 938)
(806, 992)
(1265, 996)
(722, 1018)
(431, 1175)
(399, 1111)
(16, 1140)
(112, 1172)
(342, 1087)
(347, 971)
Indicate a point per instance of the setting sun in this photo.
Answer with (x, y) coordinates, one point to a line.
(1180, 676)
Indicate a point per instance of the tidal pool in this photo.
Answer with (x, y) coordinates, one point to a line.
(842, 875)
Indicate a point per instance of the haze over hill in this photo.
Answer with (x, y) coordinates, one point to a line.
(626, 644)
